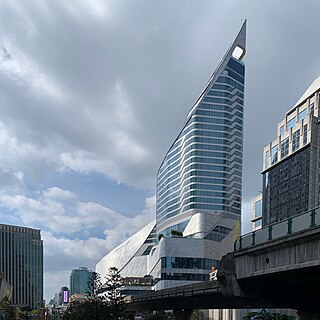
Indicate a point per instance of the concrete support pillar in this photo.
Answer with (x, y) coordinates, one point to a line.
(303, 315)
(182, 314)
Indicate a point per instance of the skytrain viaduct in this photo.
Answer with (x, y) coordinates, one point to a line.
(277, 267)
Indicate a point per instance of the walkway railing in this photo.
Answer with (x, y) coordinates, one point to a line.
(303, 221)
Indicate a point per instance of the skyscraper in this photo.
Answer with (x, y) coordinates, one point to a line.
(198, 187)
(79, 280)
(21, 262)
(202, 170)
(291, 163)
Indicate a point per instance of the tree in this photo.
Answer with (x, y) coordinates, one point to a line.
(95, 307)
(264, 315)
(115, 298)
(197, 315)
(160, 236)
(176, 233)
(6, 310)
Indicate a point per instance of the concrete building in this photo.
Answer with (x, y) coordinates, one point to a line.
(257, 213)
(21, 263)
(79, 280)
(291, 161)
(198, 188)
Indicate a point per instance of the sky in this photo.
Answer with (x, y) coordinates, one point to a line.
(94, 92)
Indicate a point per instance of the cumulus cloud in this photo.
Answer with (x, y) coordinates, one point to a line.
(53, 213)
(77, 252)
(58, 193)
(61, 216)
(104, 86)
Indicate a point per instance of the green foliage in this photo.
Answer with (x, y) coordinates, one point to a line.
(197, 315)
(114, 296)
(87, 310)
(105, 300)
(263, 315)
(160, 236)
(176, 233)
(6, 310)
(160, 315)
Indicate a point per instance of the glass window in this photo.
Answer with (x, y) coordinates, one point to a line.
(258, 209)
(305, 134)
(258, 223)
(267, 159)
(302, 115)
(284, 147)
(295, 140)
(291, 123)
(281, 130)
(312, 108)
(274, 154)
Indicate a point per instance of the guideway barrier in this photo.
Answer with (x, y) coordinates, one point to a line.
(301, 222)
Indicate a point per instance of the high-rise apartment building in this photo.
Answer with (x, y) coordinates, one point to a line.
(21, 262)
(198, 187)
(79, 280)
(291, 162)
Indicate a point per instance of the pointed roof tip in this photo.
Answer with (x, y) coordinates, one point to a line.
(240, 40)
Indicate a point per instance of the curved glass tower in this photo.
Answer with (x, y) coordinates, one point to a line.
(202, 170)
(198, 187)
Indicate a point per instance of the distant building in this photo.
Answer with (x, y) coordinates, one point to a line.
(21, 262)
(257, 212)
(63, 296)
(291, 162)
(78, 297)
(79, 280)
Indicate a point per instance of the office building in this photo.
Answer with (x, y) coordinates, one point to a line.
(79, 280)
(291, 162)
(63, 296)
(198, 187)
(257, 213)
(21, 263)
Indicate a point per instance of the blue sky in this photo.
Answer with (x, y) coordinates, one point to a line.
(94, 92)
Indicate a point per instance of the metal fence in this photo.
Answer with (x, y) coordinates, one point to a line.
(303, 221)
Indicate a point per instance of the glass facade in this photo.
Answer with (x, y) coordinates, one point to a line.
(203, 168)
(258, 208)
(21, 262)
(291, 186)
(291, 123)
(296, 140)
(284, 147)
(79, 280)
(218, 233)
(302, 115)
(188, 263)
(286, 188)
(274, 154)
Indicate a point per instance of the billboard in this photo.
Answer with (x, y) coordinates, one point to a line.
(65, 296)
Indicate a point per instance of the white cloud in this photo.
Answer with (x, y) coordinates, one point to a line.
(58, 193)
